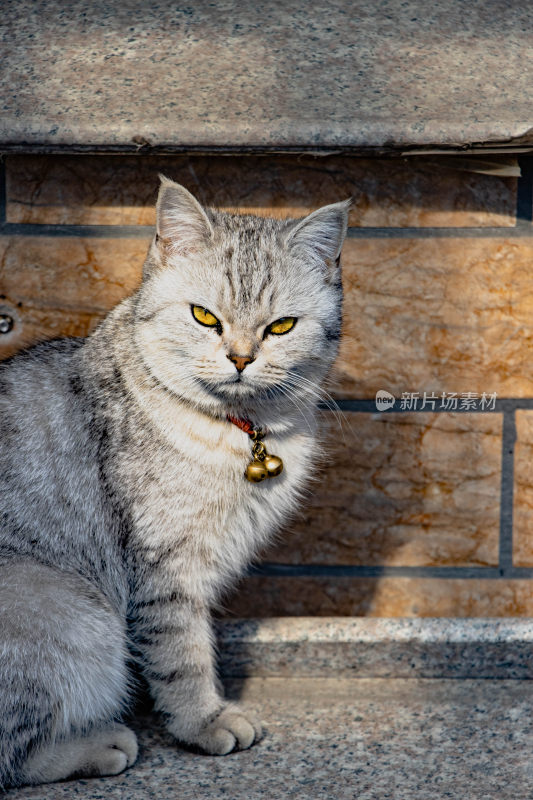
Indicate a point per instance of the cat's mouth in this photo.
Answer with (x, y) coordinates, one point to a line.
(236, 388)
(238, 385)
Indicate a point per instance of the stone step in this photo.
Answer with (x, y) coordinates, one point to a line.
(376, 648)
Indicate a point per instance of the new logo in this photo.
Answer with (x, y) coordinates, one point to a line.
(384, 400)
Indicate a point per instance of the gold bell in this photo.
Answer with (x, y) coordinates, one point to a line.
(256, 471)
(273, 464)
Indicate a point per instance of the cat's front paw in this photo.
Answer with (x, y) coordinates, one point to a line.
(233, 728)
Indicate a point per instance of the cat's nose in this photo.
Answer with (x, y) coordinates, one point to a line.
(240, 361)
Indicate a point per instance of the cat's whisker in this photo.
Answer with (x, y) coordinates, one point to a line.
(322, 396)
(298, 405)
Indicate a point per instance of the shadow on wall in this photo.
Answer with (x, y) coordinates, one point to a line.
(395, 192)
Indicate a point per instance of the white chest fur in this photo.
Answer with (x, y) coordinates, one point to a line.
(195, 504)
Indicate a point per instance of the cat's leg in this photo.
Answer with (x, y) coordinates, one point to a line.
(174, 636)
(63, 674)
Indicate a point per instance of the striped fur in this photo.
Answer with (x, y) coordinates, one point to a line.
(123, 505)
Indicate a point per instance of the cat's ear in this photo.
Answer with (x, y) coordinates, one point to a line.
(319, 237)
(182, 224)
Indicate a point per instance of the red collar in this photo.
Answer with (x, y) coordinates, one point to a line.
(245, 425)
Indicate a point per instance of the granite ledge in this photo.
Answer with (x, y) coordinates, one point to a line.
(376, 648)
(393, 74)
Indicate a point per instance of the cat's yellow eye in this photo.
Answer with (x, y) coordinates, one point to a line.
(205, 317)
(281, 326)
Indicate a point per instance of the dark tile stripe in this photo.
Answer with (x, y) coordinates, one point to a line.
(507, 493)
(524, 193)
(368, 406)
(146, 231)
(2, 192)
(334, 571)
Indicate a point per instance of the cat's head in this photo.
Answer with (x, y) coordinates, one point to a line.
(240, 313)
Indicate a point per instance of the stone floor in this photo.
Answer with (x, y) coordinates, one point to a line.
(329, 738)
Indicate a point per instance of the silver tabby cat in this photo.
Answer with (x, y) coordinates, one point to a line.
(124, 510)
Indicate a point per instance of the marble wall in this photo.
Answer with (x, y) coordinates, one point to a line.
(425, 510)
(120, 190)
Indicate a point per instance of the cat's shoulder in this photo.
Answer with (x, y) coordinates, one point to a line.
(49, 353)
(39, 371)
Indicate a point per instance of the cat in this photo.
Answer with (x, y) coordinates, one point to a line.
(124, 505)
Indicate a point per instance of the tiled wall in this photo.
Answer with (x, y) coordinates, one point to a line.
(423, 510)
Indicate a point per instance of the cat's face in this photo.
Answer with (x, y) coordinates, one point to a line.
(237, 312)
